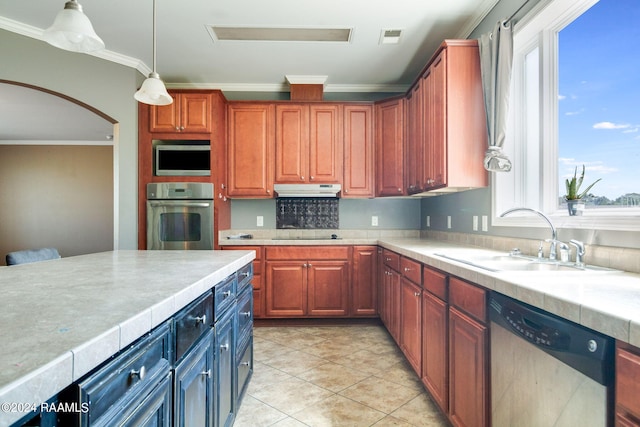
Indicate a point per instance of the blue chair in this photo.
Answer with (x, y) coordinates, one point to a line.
(32, 255)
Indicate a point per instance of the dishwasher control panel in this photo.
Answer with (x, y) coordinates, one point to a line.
(538, 334)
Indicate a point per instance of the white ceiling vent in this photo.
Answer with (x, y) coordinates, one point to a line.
(280, 34)
(390, 36)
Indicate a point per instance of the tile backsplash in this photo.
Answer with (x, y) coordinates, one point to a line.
(307, 213)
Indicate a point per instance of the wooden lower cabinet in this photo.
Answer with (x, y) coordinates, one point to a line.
(468, 355)
(364, 289)
(435, 345)
(301, 282)
(627, 408)
(411, 323)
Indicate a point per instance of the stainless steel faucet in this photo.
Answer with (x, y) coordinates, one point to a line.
(554, 234)
(580, 251)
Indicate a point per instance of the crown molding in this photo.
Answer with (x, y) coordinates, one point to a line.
(284, 87)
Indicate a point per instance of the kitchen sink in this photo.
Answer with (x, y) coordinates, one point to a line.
(498, 263)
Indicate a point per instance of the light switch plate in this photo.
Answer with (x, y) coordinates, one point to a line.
(374, 221)
(449, 221)
(475, 223)
(428, 221)
(260, 221)
(485, 223)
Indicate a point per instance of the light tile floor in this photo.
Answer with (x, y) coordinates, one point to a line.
(333, 376)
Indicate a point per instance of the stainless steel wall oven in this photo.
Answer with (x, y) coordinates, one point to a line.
(180, 215)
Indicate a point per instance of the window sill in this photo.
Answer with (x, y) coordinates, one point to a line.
(592, 219)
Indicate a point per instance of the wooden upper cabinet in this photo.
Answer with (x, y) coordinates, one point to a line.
(188, 113)
(308, 143)
(390, 148)
(358, 151)
(414, 141)
(250, 151)
(454, 118)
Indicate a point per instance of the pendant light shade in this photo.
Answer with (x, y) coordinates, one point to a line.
(153, 91)
(72, 30)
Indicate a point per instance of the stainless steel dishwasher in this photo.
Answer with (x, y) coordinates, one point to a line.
(547, 371)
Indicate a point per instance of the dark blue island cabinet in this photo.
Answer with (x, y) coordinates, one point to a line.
(190, 371)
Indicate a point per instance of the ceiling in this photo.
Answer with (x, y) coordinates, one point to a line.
(190, 53)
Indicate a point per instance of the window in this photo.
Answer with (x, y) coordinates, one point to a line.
(575, 91)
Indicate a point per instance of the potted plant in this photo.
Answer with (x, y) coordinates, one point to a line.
(573, 196)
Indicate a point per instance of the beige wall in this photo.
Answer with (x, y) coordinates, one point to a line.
(56, 196)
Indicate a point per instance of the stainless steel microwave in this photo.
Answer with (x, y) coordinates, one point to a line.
(182, 160)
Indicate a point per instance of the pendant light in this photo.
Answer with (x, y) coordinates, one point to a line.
(72, 30)
(153, 91)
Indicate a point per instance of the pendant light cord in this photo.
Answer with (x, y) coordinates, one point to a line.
(154, 36)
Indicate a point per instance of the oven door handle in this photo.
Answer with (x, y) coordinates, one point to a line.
(184, 204)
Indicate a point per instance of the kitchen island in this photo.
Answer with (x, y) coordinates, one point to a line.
(63, 318)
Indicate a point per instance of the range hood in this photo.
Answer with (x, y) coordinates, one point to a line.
(307, 190)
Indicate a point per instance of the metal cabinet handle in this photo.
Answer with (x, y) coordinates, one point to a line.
(387, 259)
(417, 294)
(407, 269)
(399, 190)
(201, 319)
(226, 294)
(245, 274)
(224, 347)
(246, 313)
(206, 373)
(309, 265)
(141, 373)
(244, 364)
(302, 178)
(311, 178)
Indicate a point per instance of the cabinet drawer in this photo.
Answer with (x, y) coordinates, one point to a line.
(225, 295)
(245, 315)
(469, 298)
(116, 384)
(289, 253)
(192, 323)
(412, 270)
(435, 282)
(245, 274)
(628, 381)
(391, 260)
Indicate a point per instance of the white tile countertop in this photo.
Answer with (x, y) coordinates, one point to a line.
(61, 318)
(608, 302)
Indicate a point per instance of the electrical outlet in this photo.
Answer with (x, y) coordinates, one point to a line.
(374, 221)
(428, 221)
(260, 221)
(485, 223)
(448, 221)
(475, 223)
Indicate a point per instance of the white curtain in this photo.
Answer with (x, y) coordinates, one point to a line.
(496, 58)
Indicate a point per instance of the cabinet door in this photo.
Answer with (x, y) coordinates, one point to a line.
(434, 82)
(358, 151)
(286, 288)
(195, 112)
(435, 375)
(328, 288)
(325, 143)
(225, 369)
(194, 386)
(627, 386)
(411, 324)
(153, 411)
(364, 301)
(250, 152)
(390, 148)
(468, 371)
(165, 118)
(392, 303)
(292, 143)
(414, 140)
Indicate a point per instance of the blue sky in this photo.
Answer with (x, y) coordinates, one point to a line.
(599, 97)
